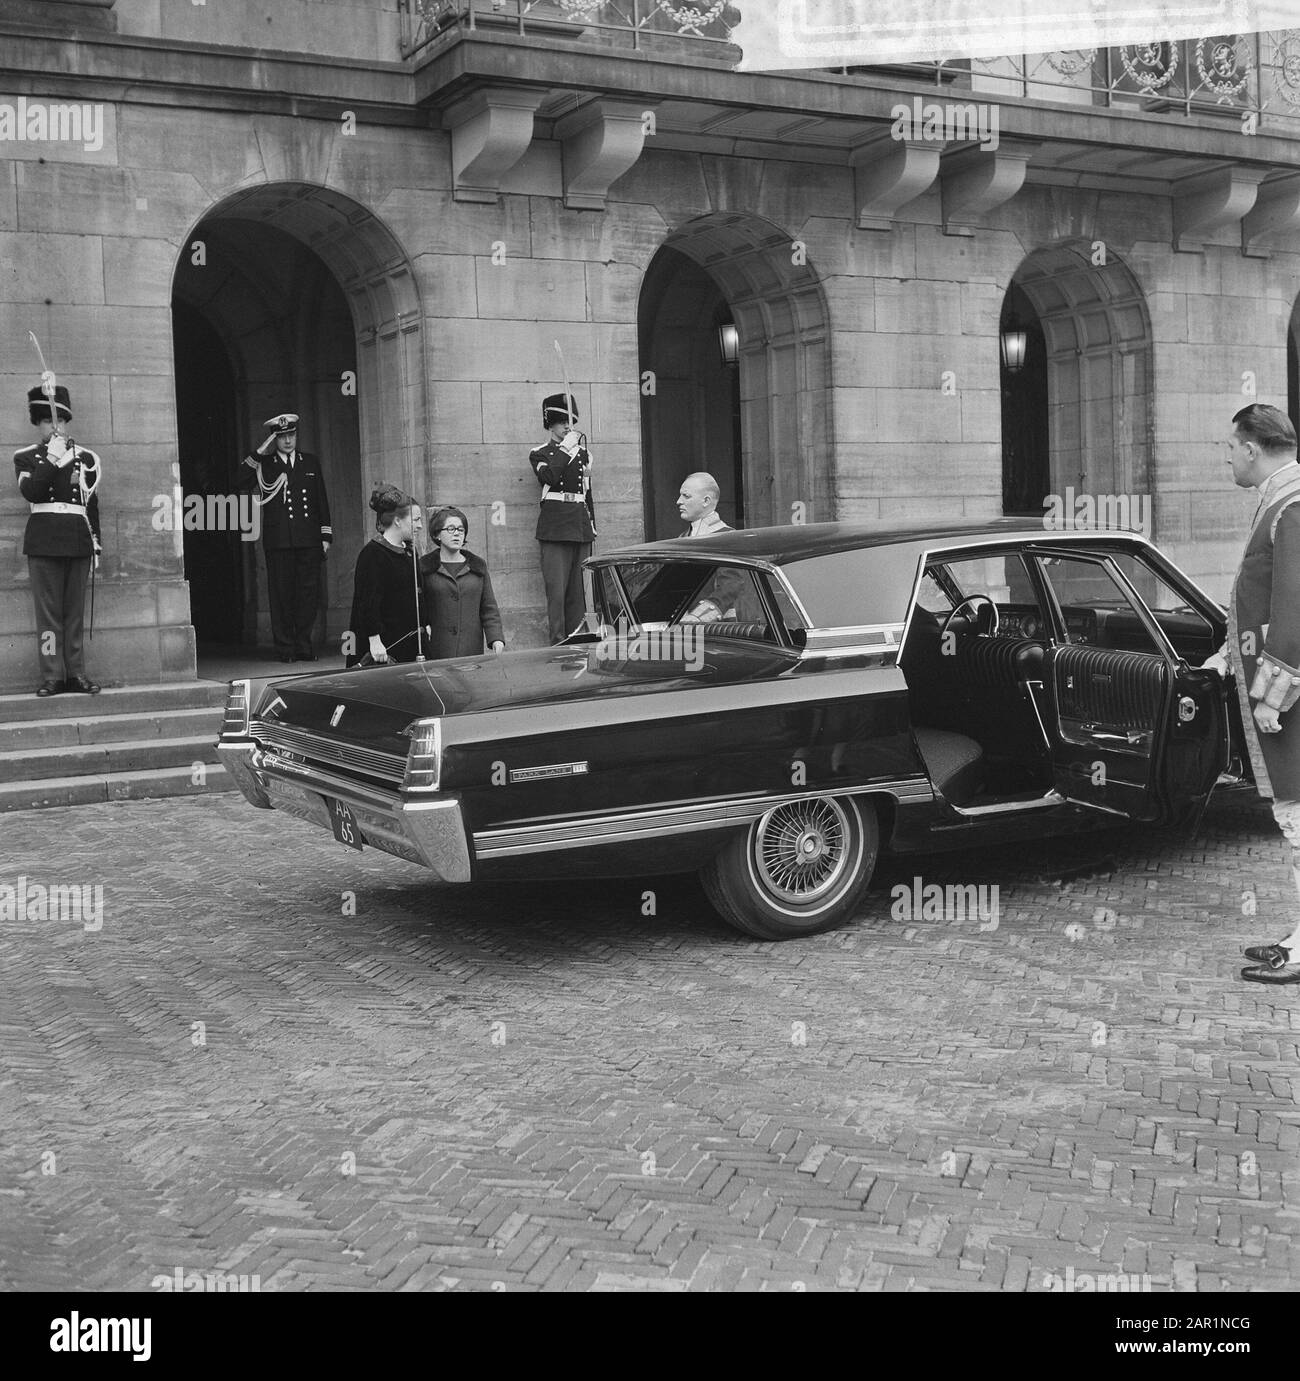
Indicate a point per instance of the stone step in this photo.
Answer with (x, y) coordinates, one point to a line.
(33, 734)
(103, 759)
(115, 786)
(179, 695)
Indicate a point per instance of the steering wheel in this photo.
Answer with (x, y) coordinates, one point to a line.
(972, 600)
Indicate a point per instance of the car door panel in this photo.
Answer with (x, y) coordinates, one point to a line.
(1137, 733)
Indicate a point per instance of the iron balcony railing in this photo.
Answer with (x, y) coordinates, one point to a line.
(1228, 76)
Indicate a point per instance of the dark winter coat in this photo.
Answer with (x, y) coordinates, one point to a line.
(460, 605)
(383, 602)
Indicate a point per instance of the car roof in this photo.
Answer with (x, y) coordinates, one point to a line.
(798, 541)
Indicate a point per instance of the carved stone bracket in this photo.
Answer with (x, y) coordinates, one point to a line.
(1208, 203)
(888, 173)
(977, 179)
(490, 133)
(602, 140)
(1276, 211)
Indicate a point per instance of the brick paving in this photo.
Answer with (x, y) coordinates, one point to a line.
(543, 1088)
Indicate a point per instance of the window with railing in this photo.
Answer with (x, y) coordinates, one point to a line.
(704, 25)
(1223, 75)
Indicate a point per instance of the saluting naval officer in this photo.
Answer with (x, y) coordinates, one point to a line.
(1263, 645)
(59, 478)
(566, 521)
(296, 534)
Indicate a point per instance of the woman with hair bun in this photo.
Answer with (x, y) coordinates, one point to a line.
(457, 589)
(385, 612)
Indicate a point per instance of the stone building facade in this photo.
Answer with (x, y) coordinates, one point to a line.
(384, 216)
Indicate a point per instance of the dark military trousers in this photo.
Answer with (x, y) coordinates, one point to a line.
(293, 592)
(59, 594)
(562, 576)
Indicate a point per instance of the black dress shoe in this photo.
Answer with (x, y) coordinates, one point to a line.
(81, 685)
(1272, 955)
(49, 688)
(1288, 973)
(287, 657)
(304, 656)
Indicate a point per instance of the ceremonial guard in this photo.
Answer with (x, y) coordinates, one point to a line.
(566, 522)
(59, 479)
(1263, 646)
(296, 534)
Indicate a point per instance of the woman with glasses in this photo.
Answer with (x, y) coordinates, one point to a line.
(385, 610)
(458, 598)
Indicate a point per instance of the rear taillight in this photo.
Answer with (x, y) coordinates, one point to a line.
(235, 723)
(424, 757)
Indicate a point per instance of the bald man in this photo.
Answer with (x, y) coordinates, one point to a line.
(697, 502)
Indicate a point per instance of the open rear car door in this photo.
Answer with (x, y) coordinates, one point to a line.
(1135, 729)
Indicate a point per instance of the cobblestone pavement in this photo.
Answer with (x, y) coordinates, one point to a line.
(542, 1087)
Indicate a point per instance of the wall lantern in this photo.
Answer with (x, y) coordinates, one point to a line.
(1013, 350)
(729, 343)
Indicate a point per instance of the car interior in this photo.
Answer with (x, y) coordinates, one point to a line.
(985, 715)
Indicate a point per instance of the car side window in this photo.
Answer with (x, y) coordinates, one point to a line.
(932, 597)
(1097, 611)
(1003, 578)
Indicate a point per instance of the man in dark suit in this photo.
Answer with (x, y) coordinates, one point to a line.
(59, 478)
(296, 534)
(566, 521)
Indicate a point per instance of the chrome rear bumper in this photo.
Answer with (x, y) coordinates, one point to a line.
(428, 832)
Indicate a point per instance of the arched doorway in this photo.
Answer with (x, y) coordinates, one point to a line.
(292, 297)
(760, 425)
(1084, 391)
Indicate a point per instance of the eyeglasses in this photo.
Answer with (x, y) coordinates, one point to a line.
(461, 530)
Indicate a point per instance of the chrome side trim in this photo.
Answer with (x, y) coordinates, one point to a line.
(1052, 798)
(627, 827)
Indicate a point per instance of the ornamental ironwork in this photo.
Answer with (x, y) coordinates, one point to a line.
(691, 19)
(1223, 64)
(1071, 64)
(1286, 69)
(1150, 65)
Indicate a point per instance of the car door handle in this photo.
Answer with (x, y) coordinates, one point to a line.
(1132, 739)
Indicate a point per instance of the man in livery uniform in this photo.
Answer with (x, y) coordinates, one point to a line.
(566, 522)
(296, 534)
(59, 478)
(1263, 646)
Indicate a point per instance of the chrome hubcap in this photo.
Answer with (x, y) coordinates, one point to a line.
(801, 850)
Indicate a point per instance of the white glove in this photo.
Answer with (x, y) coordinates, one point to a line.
(58, 450)
(378, 651)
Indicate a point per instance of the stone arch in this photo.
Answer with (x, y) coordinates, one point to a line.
(317, 307)
(1096, 334)
(737, 267)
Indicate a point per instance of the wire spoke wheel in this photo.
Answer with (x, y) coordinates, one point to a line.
(800, 849)
(802, 867)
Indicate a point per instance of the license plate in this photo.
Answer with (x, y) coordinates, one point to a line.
(344, 823)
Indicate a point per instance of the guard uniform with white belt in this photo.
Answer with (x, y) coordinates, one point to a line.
(566, 521)
(58, 478)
